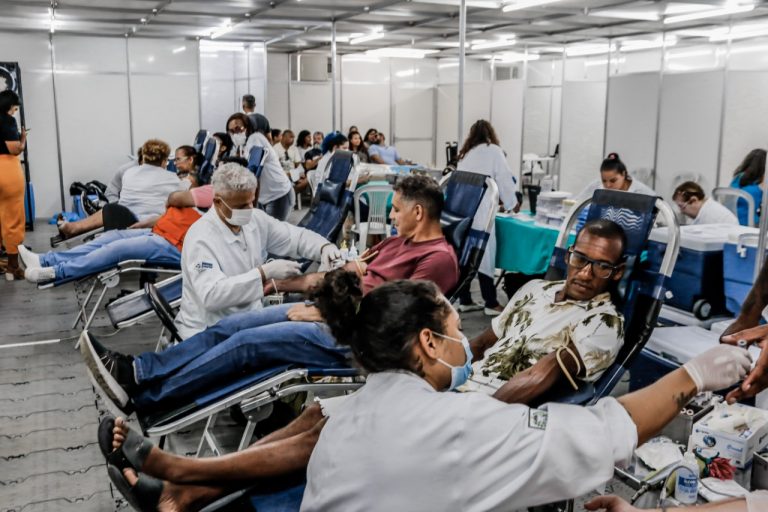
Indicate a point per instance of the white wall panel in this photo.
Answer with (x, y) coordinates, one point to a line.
(536, 122)
(32, 53)
(256, 76)
(414, 108)
(581, 147)
(419, 151)
(103, 54)
(162, 56)
(93, 114)
(744, 129)
(355, 68)
(632, 112)
(476, 106)
(365, 106)
(689, 129)
(217, 88)
(276, 106)
(311, 106)
(164, 107)
(507, 118)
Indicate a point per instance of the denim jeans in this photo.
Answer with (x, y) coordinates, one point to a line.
(236, 346)
(487, 290)
(280, 207)
(107, 250)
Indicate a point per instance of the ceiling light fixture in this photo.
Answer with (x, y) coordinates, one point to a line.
(52, 20)
(627, 15)
(689, 54)
(406, 73)
(366, 38)
(634, 45)
(711, 13)
(485, 45)
(749, 49)
(509, 57)
(179, 49)
(401, 53)
(485, 4)
(526, 4)
(739, 32)
(581, 50)
(220, 31)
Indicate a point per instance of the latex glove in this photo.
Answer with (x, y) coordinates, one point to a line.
(281, 269)
(328, 254)
(610, 504)
(719, 367)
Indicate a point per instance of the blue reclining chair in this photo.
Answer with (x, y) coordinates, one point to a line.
(210, 154)
(256, 160)
(465, 227)
(333, 199)
(641, 291)
(200, 139)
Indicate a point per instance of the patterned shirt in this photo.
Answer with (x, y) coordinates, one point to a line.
(534, 325)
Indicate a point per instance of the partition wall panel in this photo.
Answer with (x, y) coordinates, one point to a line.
(311, 106)
(582, 127)
(632, 118)
(32, 52)
(217, 88)
(689, 130)
(275, 106)
(476, 106)
(507, 119)
(744, 125)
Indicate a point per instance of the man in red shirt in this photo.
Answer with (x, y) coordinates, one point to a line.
(286, 334)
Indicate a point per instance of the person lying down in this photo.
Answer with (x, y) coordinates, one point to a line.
(401, 442)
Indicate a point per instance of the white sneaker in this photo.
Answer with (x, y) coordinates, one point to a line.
(29, 258)
(40, 274)
(491, 312)
(466, 308)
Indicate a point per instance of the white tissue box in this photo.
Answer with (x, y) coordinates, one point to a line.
(738, 446)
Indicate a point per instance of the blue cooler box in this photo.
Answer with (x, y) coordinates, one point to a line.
(738, 268)
(696, 283)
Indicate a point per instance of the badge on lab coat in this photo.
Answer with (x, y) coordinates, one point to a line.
(537, 418)
(204, 265)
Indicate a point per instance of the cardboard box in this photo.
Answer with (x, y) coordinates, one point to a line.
(737, 446)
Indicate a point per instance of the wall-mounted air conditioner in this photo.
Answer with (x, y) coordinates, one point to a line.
(310, 67)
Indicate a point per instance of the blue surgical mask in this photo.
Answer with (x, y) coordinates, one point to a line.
(459, 374)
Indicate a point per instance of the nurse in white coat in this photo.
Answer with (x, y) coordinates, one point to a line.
(401, 443)
(614, 176)
(694, 204)
(481, 154)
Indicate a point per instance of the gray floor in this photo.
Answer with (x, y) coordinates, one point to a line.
(49, 411)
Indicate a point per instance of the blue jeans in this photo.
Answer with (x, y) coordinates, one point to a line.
(279, 208)
(236, 346)
(109, 249)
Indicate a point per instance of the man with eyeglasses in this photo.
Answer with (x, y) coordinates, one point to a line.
(553, 334)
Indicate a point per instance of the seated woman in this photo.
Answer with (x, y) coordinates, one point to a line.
(144, 190)
(748, 177)
(239, 128)
(694, 204)
(309, 156)
(402, 442)
(357, 147)
(158, 239)
(615, 176)
(187, 161)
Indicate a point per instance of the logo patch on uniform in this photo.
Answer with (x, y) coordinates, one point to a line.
(537, 418)
(203, 265)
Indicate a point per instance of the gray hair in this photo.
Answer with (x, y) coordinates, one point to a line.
(233, 177)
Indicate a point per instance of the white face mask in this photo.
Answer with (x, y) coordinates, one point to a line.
(238, 139)
(239, 217)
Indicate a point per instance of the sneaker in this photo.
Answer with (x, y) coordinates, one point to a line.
(29, 258)
(113, 371)
(466, 308)
(39, 274)
(493, 311)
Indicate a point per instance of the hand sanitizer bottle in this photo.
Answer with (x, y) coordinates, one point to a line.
(344, 250)
(353, 254)
(687, 480)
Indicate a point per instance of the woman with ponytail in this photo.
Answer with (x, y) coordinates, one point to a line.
(615, 176)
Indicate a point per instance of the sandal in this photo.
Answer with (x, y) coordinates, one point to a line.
(132, 453)
(144, 496)
(106, 434)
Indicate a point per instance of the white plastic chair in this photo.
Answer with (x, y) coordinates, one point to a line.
(729, 197)
(377, 213)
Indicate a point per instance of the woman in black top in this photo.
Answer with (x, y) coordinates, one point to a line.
(12, 143)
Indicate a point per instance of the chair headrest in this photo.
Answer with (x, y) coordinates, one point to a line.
(254, 159)
(635, 213)
(463, 193)
(341, 165)
(455, 230)
(330, 192)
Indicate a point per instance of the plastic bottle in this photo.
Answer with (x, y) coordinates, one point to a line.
(344, 250)
(353, 254)
(687, 480)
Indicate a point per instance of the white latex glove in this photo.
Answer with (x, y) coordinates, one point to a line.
(280, 269)
(719, 367)
(328, 254)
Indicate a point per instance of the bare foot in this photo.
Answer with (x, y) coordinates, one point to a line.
(155, 462)
(168, 502)
(180, 498)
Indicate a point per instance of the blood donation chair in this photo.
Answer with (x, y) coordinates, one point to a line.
(256, 160)
(201, 138)
(210, 154)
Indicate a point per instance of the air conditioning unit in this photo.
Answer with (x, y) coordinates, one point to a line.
(512, 72)
(310, 67)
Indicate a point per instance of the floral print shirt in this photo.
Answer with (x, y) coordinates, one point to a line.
(534, 325)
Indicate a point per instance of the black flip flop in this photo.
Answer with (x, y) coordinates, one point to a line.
(135, 449)
(106, 434)
(144, 496)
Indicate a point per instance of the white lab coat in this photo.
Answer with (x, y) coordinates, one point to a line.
(489, 159)
(220, 269)
(273, 183)
(397, 444)
(635, 186)
(712, 212)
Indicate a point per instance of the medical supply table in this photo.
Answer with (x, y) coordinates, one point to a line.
(523, 246)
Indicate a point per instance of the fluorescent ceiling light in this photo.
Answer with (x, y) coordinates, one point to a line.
(486, 4)
(220, 31)
(627, 15)
(603, 62)
(688, 54)
(407, 72)
(739, 32)
(549, 49)
(507, 57)
(358, 57)
(445, 65)
(366, 38)
(681, 8)
(179, 49)
(526, 4)
(52, 20)
(209, 46)
(698, 32)
(749, 49)
(402, 53)
(589, 49)
(485, 45)
(724, 11)
(633, 45)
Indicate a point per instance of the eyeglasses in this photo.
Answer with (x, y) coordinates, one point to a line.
(682, 206)
(600, 269)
